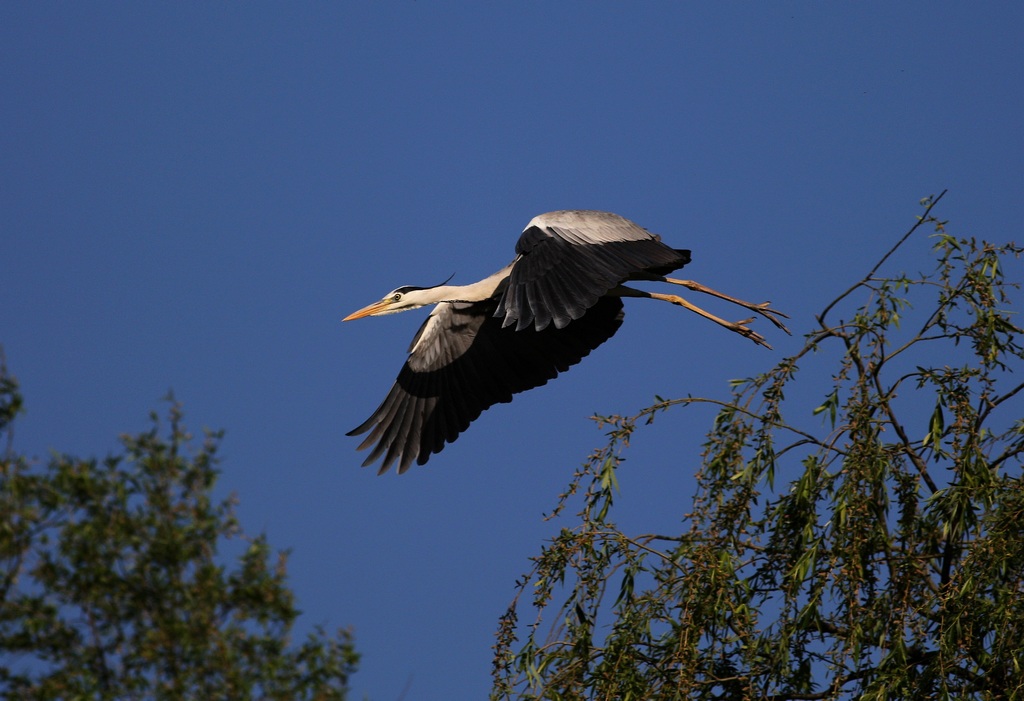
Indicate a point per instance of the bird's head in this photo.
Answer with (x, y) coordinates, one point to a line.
(398, 300)
(402, 299)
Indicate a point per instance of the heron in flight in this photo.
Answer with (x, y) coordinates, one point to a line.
(512, 331)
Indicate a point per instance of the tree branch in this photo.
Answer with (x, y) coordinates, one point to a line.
(920, 220)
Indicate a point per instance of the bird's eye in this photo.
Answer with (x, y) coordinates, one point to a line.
(396, 297)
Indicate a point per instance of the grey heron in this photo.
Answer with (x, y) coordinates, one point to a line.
(512, 331)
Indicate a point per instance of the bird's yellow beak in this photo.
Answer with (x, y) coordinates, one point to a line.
(375, 308)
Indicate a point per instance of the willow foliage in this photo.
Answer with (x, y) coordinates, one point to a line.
(877, 555)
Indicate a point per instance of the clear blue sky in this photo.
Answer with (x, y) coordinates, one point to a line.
(192, 196)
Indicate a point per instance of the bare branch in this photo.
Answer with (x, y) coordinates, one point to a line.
(920, 220)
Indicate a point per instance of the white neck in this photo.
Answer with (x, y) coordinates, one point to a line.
(475, 292)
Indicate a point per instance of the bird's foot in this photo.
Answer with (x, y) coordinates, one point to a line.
(742, 329)
(765, 310)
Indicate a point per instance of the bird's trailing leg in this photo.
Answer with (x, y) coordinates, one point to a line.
(739, 327)
(764, 309)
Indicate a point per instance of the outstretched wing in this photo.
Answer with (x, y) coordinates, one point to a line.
(566, 261)
(462, 361)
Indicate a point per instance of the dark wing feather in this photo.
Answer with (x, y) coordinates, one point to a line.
(566, 261)
(461, 362)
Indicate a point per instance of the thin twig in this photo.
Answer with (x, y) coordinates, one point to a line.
(921, 220)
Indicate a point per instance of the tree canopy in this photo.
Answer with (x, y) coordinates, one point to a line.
(871, 547)
(112, 585)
